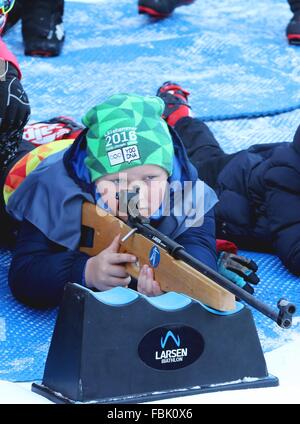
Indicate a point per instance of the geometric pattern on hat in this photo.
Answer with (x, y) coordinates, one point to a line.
(124, 121)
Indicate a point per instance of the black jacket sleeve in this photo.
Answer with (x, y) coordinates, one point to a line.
(40, 268)
(283, 206)
(200, 242)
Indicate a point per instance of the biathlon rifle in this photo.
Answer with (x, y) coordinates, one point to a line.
(174, 269)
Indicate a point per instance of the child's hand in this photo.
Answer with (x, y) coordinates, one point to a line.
(146, 284)
(107, 269)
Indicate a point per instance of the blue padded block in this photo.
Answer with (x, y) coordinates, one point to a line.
(120, 296)
(238, 307)
(117, 296)
(169, 301)
(173, 301)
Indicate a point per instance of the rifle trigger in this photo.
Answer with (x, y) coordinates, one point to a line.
(126, 237)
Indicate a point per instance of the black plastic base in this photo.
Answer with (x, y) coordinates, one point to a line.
(55, 397)
(120, 347)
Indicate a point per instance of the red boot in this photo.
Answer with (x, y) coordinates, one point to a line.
(176, 101)
(161, 8)
(293, 30)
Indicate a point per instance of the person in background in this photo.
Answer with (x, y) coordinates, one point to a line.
(42, 26)
(164, 8)
(258, 188)
(14, 104)
(161, 8)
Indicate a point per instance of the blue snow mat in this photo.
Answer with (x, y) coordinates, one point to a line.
(25, 333)
(232, 56)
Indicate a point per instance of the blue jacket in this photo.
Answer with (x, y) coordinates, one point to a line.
(48, 204)
(259, 200)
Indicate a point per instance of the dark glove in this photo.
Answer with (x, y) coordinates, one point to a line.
(14, 112)
(14, 104)
(240, 270)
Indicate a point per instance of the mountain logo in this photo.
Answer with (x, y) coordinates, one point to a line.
(163, 341)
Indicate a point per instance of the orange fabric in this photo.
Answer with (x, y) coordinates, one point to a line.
(29, 163)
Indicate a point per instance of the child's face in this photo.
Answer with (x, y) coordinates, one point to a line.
(150, 179)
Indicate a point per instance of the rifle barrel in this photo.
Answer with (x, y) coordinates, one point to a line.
(283, 317)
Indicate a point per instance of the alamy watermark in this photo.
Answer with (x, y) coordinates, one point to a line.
(155, 199)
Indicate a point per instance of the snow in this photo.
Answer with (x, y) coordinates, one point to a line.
(15, 393)
(282, 363)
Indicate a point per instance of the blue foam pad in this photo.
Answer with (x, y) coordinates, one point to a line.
(25, 333)
(233, 56)
(242, 133)
(276, 282)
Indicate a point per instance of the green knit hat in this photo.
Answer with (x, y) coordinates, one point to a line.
(127, 131)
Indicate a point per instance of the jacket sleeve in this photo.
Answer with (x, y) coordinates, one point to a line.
(283, 213)
(200, 242)
(6, 55)
(40, 268)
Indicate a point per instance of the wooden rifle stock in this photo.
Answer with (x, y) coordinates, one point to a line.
(171, 274)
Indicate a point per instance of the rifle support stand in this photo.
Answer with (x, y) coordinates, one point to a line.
(121, 347)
